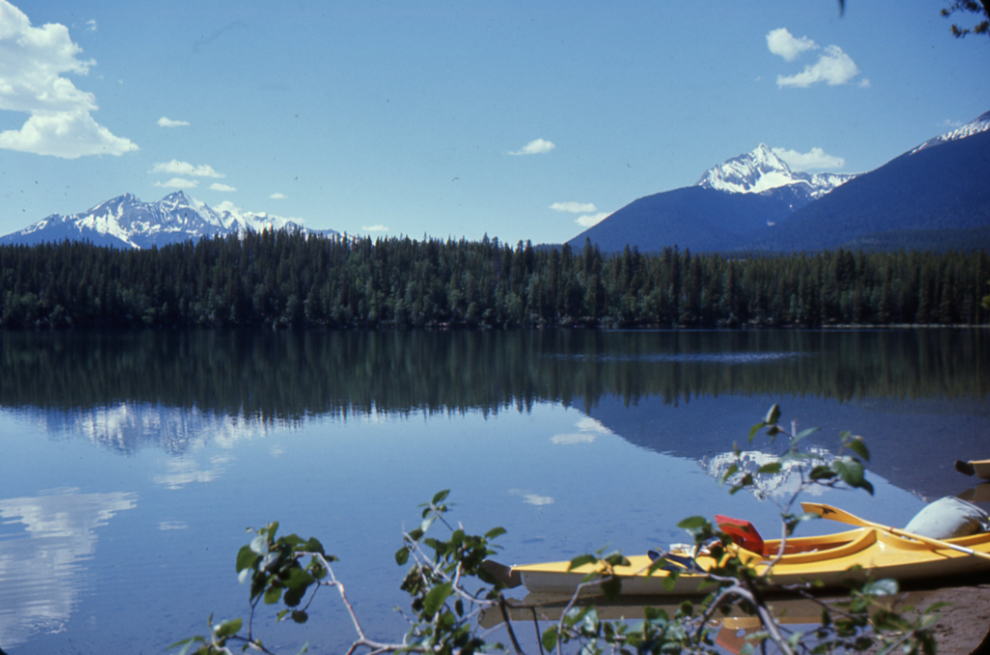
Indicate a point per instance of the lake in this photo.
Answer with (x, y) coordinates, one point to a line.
(132, 462)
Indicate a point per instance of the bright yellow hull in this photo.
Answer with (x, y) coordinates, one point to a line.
(826, 559)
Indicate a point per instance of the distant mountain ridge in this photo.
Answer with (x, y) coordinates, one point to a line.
(934, 196)
(981, 124)
(126, 221)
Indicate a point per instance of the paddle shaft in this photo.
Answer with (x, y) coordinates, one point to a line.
(835, 514)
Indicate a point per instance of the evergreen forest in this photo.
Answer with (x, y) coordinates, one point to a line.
(282, 278)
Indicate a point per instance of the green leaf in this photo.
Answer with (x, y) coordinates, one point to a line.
(850, 471)
(753, 430)
(771, 468)
(495, 532)
(581, 560)
(655, 614)
(272, 594)
(187, 644)
(616, 559)
(436, 598)
(298, 579)
(281, 615)
(773, 414)
(549, 638)
(858, 446)
(304, 649)
(804, 433)
(227, 628)
(439, 496)
(821, 473)
(611, 588)
(314, 546)
(246, 558)
(693, 523)
(729, 472)
(402, 556)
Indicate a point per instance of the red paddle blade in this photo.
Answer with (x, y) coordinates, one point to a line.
(743, 533)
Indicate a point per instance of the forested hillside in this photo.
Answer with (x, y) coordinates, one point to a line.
(289, 279)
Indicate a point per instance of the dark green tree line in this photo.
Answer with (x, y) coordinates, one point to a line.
(289, 279)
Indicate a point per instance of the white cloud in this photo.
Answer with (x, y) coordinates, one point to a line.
(216, 186)
(172, 525)
(178, 183)
(277, 196)
(183, 471)
(592, 219)
(815, 159)
(833, 67)
(32, 60)
(864, 83)
(588, 431)
(574, 207)
(532, 499)
(573, 438)
(535, 499)
(176, 167)
(228, 206)
(91, 25)
(781, 42)
(168, 122)
(375, 228)
(536, 147)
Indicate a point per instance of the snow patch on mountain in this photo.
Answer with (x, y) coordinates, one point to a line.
(126, 220)
(981, 124)
(762, 171)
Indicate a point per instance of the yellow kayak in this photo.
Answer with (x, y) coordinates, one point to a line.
(825, 558)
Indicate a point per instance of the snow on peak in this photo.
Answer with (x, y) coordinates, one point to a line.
(762, 170)
(980, 124)
(174, 218)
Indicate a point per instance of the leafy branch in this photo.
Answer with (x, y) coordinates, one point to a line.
(451, 582)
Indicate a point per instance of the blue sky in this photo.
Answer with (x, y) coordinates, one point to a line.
(521, 120)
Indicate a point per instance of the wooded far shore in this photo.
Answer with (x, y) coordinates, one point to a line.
(289, 279)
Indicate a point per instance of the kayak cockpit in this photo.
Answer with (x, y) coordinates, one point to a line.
(800, 550)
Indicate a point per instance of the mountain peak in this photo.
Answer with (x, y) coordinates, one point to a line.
(128, 222)
(762, 170)
(976, 126)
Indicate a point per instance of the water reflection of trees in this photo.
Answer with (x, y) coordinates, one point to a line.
(290, 375)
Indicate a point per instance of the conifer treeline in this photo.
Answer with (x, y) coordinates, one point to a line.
(282, 278)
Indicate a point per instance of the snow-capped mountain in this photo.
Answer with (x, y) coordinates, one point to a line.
(927, 198)
(126, 221)
(762, 171)
(981, 124)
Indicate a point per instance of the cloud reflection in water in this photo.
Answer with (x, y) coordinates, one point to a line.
(38, 571)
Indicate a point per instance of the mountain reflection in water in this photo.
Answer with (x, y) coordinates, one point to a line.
(569, 439)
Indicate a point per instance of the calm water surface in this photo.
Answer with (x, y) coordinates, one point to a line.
(132, 463)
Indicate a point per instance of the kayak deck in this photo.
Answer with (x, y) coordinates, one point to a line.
(826, 558)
